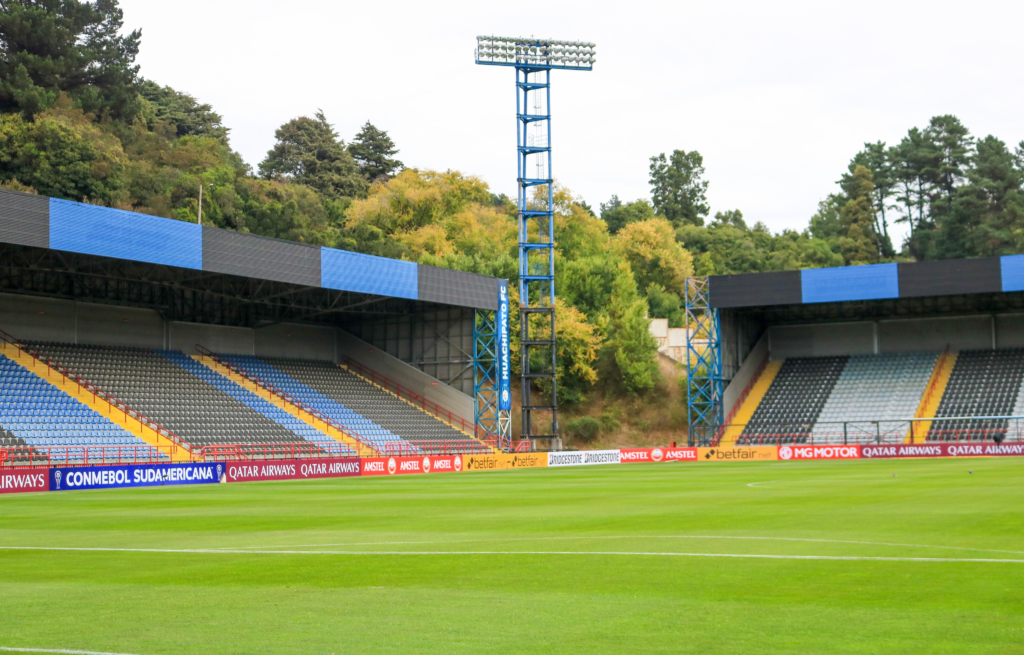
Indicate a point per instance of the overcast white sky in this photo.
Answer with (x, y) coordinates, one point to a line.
(777, 96)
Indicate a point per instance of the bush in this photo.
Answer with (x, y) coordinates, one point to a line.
(584, 428)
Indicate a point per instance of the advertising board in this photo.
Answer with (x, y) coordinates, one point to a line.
(658, 455)
(942, 450)
(818, 452)
(292, 469)
(147, 475)
(504, 363)
(21, 480)
(584, 457)
(753, 454)
(504, 461)
(409, 465)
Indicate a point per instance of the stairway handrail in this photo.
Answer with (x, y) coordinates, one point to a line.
(99, 393)
(255, 379)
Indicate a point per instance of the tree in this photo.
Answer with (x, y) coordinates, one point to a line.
(630, 349)
(309, 152)
(665, 304)
(182, 112)
(654, 255)
(875, 157)
(51, 47)
(617, 214)
(677, 188)
(950, 145)
(373, 151)
(859, 243)
(908, 160)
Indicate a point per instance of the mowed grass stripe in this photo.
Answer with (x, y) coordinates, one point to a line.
(554, 602)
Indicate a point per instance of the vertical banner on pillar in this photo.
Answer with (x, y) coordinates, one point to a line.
(501, 345)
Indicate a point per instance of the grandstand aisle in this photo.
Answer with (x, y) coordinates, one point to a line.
(983, 383)
(882, 388)
(197, 412)
(368, 431)
(34, 413)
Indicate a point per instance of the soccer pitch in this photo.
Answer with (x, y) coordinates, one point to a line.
(786, 557)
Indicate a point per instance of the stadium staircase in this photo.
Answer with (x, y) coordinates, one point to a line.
(875, 394)
(931, 398)
(983, 383)
(64, 419)
(748, 404)
(793, 401)
(284, 402)
(199, 414)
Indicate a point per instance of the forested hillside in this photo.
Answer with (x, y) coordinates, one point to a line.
(78, 120)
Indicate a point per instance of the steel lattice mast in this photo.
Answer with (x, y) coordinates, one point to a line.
(534, 59)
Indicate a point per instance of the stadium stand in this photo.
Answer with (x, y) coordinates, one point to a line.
(370, 432)
(35, 414)
(196, 411)
(876, 394)
(248, 398)
(983, 383)
(378, 405)
(794, 401)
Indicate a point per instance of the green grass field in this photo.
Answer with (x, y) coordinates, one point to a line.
(531, 561)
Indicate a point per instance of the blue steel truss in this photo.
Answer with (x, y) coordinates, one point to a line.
(533, 60)
(703, 363)
(492, 422)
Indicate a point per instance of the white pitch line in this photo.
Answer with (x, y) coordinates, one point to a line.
(849, 558)
(648, 536)
(754, 484)
(52, 650)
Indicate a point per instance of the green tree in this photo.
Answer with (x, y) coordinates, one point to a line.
(51, 47)
(374, 153)
(617, 214)
(858, 245)
(665, 304)
(630, 350)
(678, 189)
(875, 157)
(182, 112)
(309, 152)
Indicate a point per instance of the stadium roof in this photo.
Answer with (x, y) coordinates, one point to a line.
(161, 251)
(865, 283)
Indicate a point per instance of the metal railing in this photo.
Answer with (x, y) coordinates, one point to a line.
(99, 394)
(284, 395)
(251, 451)
(47, 456)
(469, 428)
(957, 429)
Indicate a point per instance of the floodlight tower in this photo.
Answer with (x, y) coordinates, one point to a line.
(534, 59)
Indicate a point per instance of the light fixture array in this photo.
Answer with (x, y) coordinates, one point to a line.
(545, 52)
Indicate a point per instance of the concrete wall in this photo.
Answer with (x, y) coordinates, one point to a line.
(119, 326)
(745, 374)
(218, 338)
(405, 374)
(299, 341)
(28, 318)
(821, 340)
(896, 336)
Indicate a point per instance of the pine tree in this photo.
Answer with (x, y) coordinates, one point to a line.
(858, 245)
(374, 153)
(309, 152)
(630, 345)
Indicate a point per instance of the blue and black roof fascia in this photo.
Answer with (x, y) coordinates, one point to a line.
(874, 282)
(42, 222)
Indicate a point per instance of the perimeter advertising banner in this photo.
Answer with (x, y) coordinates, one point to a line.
(819, 452)
(409, 465)
(942, 450)
(147, 475)
(504, 461)
(658, 455)
(584, 458)
(755, 454)
(504, 364)
(20, 480)
(293, 469)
